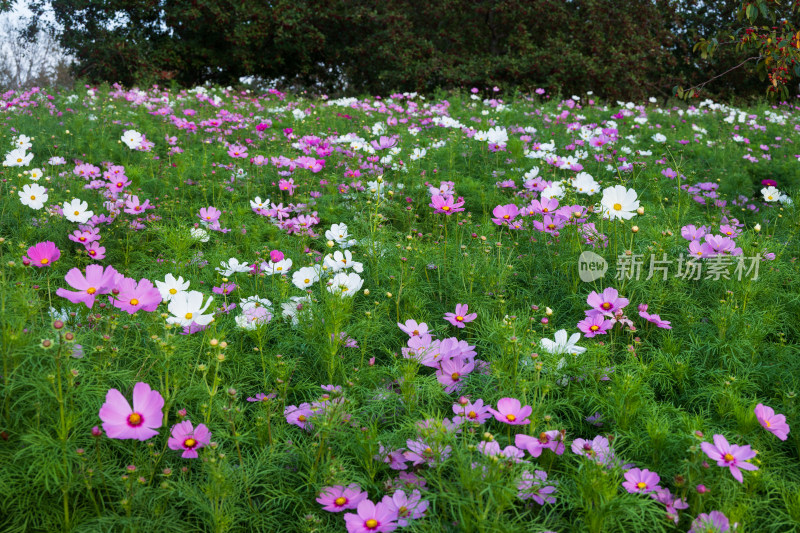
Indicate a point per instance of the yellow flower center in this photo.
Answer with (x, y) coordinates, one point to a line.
(76, 213)
(767, 423)
(189, 443)
(606, 305)
(134, 419)
(460, 318)
(188, 316)
(428, 451)
(403, 511)
(33, 197)
(134, 301)
(454, 376)
(511, 418)
(506, 217)
(91, 290)
(341, 500)
(594, 328)
(641, 485)
(371, 523)
(446, 208)
(728, 457)
(19, 160)
(617, 207)
(173, 291)
(45, 261)
(302, 418)
(472, 414)
(306, 280)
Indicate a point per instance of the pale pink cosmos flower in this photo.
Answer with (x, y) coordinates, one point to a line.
(43, 254)
(189, 439)
(413, 329)
(510, 411)
(446, 204)
(452, 371)
(338, 498)
(371, 518)
(471, 412)
(461, 316)
(135, 296)
(730, 455)
(120, 421)
(407, 507)
(505, 214)
(552, 440)
(299, 415)
(639, 480)
(775, 424)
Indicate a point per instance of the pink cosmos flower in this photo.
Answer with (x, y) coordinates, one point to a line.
(120, 421)
(510, 411)
(653, 319)
(730, 455)
(552, 440)
(533, 487)
(504, 214)
(670, 501)
(209, 214)
(43, 254)
(406, 507)
(384, 142)
(775, 424)
(638, 480)
(338, 498)
(713, 522)
(606, 302)
(189, 439)
(237, 151)
(95, 251)
(395, 459)
(461, 316)
(693, 233)
(595, 325)
(85, 235)
(299, 415)
(446, 204)
(96, 282)
(261, 397)
(471, 412)
(452, 372)
(371, 518)
(596, 449)
(420, 452)
(414, 329)
(134, 296)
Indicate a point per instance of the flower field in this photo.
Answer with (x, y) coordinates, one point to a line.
(224, 311)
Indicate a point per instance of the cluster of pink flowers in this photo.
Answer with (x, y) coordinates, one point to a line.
(393, 511)
(607, 310)
(714, 245)
(329, 403)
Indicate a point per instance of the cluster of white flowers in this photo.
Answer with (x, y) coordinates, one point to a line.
(19, 156)
(772, 194)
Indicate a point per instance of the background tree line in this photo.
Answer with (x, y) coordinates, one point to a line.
(627, 49)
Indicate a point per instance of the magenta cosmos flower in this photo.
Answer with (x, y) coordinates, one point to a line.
(552, 440)
(504, 214)
(445, 204)
(120, 421)
(135, 296)
(511, 411)
(606, 302)
(593, 325)
(775, 424)
(189, 439)
(97, 281)
(338, 498)
(43, 254)
(730, 455)
(638, 480)
(461, 316)
(371, 518)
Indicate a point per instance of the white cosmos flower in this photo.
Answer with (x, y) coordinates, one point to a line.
(342, 261)
(561, 344)
(132, 139)
(305, 277)
(294, 307)
(345, 285)
(497, 135)
(33, 195)
(77, 211)
(255, 301)
(281, 267)
(231, 267)
(584, 183)
(619, 202)
(199, 234)
(35, 174)
(771, 194)
(171, 287)
(339, 234)
(553, 191)
(23, 142)
(257, 204)
(18, 158)
(188, 307)
(418, 153)
(660, 138)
